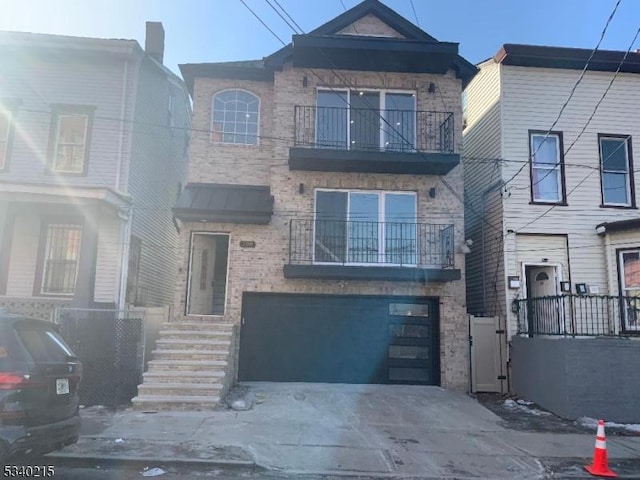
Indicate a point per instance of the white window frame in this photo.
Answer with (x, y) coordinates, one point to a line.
(54, 159)
(381, 224)
(45, 258)
(623, 288)
(557, 166)
(226, 290)
(627, 173)
(382, 107)
(222, 142)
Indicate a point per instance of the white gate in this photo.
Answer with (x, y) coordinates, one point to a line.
(486, 338)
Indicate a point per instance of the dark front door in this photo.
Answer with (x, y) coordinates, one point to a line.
(339, 339)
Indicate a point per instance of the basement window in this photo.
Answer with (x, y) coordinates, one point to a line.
(207, 286)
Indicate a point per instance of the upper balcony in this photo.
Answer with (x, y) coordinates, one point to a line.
(371, 140)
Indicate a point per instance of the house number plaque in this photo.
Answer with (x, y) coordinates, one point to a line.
(247, 244)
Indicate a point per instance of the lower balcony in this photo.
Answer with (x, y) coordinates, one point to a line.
(358, 250)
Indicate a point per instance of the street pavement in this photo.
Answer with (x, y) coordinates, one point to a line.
(330, 431)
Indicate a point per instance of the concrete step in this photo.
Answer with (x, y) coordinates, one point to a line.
(194, 334)
(162, 354)
(181, 389)
(187, 365)
(191, 344)
(175, 402)
(198, 325)
(184, 376)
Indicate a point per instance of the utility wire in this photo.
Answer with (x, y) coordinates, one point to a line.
(572, 92)
(413, 7)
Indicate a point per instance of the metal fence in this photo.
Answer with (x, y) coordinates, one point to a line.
(110, 344)
(374, 129)
(578, 315)
(367, 243)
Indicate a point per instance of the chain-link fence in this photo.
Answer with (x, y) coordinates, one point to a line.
(110, 344)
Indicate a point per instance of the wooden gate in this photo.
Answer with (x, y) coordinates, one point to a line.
(487, 357)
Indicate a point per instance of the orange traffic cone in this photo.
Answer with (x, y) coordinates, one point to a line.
(600, 466)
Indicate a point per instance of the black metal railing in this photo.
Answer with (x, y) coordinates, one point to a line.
(374, 129)
(370, 243)
(578, 315)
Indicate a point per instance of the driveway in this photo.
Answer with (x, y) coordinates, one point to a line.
(368, 430)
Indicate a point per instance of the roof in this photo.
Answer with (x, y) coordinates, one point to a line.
(263, 69)
(619, 226)
(567, 58)
(215, 202)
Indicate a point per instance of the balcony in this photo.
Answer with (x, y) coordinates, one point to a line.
(343, 139)
(356, 250)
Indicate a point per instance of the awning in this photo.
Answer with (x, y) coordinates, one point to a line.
(211, 202)
(618, 226)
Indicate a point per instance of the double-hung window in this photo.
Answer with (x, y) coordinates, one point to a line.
(69, 145)
(61, 255)
(547, 167)
(365, 227)
(615, 168)
(366, 120)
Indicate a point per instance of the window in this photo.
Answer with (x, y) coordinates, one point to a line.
(5, 136)
(365, 228)
(70, 142)
(61, 256)
(366, 120)
(547, 167)
(235, 117)
(43, 344)
(615, 168)
(207, 287)
(630, 287)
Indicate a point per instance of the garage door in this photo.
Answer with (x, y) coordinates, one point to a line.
(339, 339)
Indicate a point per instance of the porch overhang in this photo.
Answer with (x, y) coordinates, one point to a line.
(348, 272)
(618, 226)
(41, 193)
(220, 203)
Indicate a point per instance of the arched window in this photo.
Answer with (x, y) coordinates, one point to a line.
(234, 117)
(542, 276)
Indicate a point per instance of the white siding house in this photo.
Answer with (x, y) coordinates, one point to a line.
(539, 188)
(93, 138)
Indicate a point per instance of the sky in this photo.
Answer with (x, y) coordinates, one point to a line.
(223, 30)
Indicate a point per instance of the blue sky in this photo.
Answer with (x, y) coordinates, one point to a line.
(223, 30)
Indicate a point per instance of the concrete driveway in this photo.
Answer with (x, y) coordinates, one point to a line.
(374, 431)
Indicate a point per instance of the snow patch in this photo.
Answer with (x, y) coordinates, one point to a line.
(152, 472)
(592, 422)
(523, 406)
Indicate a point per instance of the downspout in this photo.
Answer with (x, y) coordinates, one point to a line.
(125, 238)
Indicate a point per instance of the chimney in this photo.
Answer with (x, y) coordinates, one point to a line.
(154, 41)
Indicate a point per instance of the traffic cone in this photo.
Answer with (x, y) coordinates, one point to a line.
(600, 466)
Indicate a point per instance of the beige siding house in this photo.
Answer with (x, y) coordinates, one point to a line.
(552, 205)
(323, 216)
(93, 137)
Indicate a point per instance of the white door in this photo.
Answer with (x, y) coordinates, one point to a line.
(541, 281)
(630, 287)
(545, 310)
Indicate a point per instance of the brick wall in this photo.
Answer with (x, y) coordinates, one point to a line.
(260, 269)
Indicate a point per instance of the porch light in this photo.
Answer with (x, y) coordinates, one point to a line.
(398, 124)
(352, 122)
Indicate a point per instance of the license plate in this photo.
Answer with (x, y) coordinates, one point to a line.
(62, 386)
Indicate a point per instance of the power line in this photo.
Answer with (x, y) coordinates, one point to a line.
(573, 90)
(262, 22)
(413, 7)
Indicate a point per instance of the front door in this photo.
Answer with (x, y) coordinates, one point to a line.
(543, 306)
(630, 288)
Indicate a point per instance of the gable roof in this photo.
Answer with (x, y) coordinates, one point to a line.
(567, 58)
(326, 37)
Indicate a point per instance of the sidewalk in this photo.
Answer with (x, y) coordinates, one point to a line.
(382, 431)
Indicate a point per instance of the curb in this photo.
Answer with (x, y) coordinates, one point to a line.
(120, 459)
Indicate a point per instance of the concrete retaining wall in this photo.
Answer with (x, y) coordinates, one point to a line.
(598, 377)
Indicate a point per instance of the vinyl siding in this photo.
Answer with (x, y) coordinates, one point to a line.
(157, 167)
(24, 254)
(483, 212)
(108, 260)
(531, 99)
(46, 80)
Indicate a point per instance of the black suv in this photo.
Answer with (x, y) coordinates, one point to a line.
(39, 379)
